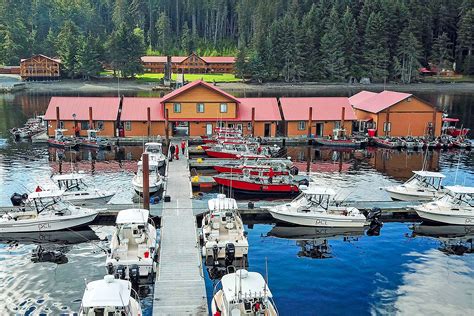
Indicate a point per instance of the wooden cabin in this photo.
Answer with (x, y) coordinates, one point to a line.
(84, 112)
(40, 67)
(197, 108)
(327, 114)
(191, 64)
(142, 117)
(395, 114)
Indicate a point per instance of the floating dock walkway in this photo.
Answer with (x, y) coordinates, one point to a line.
(179, 285)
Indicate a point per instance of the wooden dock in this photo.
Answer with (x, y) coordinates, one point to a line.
(179, 285)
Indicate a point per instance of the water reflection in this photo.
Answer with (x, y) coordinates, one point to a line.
(454, 239)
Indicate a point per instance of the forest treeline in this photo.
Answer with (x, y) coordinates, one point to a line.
(290, 40)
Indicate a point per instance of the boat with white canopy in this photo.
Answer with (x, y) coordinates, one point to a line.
(223, 234)
(109, 296)
(243, 293)
(455, 207)
(77, 191)
(155, 179)
(133, 246)
(45, 211)
(422, 186)
(315, 206)
(155, 153)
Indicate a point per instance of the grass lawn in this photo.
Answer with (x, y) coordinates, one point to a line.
(153, 77)
(444, 79)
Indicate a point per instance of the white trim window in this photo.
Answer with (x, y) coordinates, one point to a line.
(100, 125)
(200, 107)
(240, 127)
(387, 127)
(337, 124)
(177, 107)
(249, 126)
(61, 124)
(223, 107)
(128, 125)
(301, 125)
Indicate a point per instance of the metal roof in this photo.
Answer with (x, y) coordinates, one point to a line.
(379, 101)
(324, 108)
(247, 284)
(103, 108)
(68, 176)
(266, 109)
(193, 84)
(314, 189)
(132, 216)
(135, 109)
(222, 203)
(107, 292)
(429, 174)
(458, 189)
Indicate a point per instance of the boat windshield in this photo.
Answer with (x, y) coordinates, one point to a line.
(318, 200)
(153, 150)
(50, 203)
(458, 199)
(426, 182)
(71, 184)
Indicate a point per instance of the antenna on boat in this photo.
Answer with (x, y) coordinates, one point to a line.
(266, 277)
(457, 169)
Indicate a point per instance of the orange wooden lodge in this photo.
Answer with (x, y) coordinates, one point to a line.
(191, 64)
(197, 108)
(40, 67)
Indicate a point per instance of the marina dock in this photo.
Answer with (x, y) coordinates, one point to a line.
(179, 285)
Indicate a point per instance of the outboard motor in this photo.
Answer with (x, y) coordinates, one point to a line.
(229, 253)
(42, 255)
(110, 268)
(294, 170)
(120, 272)
(304, 182)
(375, 222)
(134, 275)
(18, 199)
(215, 254)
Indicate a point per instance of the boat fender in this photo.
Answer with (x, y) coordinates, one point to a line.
(110, 268)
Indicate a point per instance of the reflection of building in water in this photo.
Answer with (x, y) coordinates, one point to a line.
(400, 164)
(324, 159)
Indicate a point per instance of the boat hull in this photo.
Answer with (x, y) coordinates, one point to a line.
(319, 220)
(337, 143)
(91, 200)
(47, 224)
(257, 188)
(451, 217)
(59, 144)
(239, 170)
(398, 195)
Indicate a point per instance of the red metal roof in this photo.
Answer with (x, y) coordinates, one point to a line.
(193, 84)
(361, 96)
(135, 109)
(179, 59)
(266, 109)
(219, 59)
(103, 108)
(379, 101)
(324, 108)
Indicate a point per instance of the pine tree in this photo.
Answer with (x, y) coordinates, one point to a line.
(333, 60)
(88, 57)
(349, 35)
(125, 47)
(407, 56)
(466, 40)
(441, 53)
(163, 30)
(241, 65)
(186, 40)
(67, 45)
(375, 50)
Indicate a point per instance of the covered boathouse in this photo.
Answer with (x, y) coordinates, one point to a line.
(396, 114)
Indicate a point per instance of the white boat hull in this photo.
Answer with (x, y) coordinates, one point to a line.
(153, 186)
(84, 198)
(47, 223)
(447, 217)
(411, 195)
(319, 220)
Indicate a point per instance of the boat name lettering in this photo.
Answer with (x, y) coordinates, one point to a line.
(321, 222)
(43, 226)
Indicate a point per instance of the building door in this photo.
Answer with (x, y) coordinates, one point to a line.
(208, 129)
(267, 130)
(319, 129)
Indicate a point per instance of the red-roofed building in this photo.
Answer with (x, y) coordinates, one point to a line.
(77, 111)
(393, 113)
(326, 115)
(200, 107)
(189, 64)
(134, 117)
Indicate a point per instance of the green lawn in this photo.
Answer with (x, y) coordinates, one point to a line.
(153, 77)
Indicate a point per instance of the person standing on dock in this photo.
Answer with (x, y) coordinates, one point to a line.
(172, 150)
(177, 152)
(183, 146)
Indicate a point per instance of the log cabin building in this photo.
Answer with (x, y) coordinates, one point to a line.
(392, 113)
(40, 67)
(192, 64)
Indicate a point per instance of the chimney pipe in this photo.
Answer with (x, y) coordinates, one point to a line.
(57, 117)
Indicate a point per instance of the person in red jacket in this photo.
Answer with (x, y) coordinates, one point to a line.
(183, 146)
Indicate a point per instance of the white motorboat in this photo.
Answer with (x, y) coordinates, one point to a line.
(422, 186)
(315, 206)
(223, 232)
(155, 179)
(109, 297)
(243, 293)
(77, 192)
(133, 246)
(155, 153)
(456, 207)
(45, 211)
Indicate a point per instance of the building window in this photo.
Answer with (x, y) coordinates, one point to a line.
(249, 126)
(301, 125)
(100, 125)
(200, 107)
(387, 126)
(128, 126)
(177, 107)
(239, 127)
(231, 125)
(61, 124)
(220, 124)
(223, 107)
(337, 124)
(84, 125)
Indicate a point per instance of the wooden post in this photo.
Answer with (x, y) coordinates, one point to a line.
(91, 121)
(433, 135)
(57, 117)
(166, 127)
(343, 114)
(308, 159)
(146, 182)
(387, 121)
(253, 122)
(310, 120)
(148, 117)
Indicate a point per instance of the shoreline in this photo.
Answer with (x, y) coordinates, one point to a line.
(113, 86)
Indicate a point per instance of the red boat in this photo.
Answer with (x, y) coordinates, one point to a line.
(450, 129)
(277, 168)
(234, 151)
(259, 185)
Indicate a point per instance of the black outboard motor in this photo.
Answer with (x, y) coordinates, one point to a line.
(18, 199)
(215, 254)
(110, 268)
(375, 222)
(304, 182)
(229, 253)
(294, 170)
(120, 272)
(134, 275)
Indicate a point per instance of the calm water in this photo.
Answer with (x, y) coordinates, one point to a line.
(408, 269)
